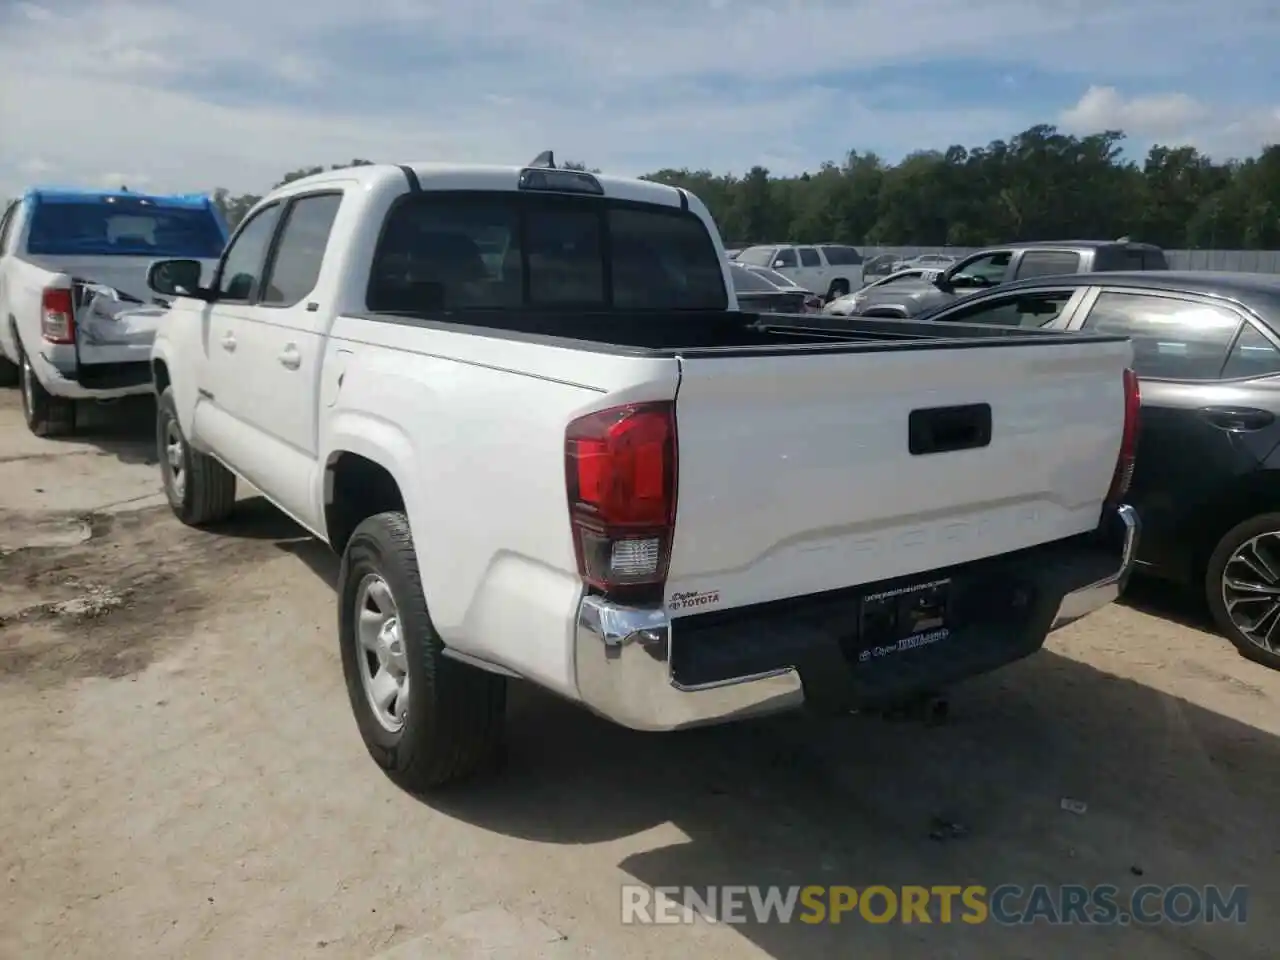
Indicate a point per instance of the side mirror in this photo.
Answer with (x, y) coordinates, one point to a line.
(942, 280)
(175, 278)
(779, 263)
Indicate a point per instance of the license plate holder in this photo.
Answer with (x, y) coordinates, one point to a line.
(902, 619)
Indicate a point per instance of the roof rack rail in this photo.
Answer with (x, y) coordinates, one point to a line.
(545, 159)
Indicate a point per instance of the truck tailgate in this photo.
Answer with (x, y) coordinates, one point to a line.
(796, 471)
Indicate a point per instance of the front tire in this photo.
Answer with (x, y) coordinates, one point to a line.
(45, 414)
(1242, 586)
(200, 489)
(425, 719)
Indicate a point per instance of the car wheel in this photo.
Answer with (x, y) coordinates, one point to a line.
(838, 289)
(1242, 586)
(45, 414)
(8, 373)
(200, 490)
(426, 719)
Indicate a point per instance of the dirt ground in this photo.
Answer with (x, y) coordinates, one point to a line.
(180, 775)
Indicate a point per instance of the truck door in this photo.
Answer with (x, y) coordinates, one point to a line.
(279, 360)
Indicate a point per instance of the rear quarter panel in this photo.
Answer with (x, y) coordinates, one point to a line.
(24, 286)
(472, 427)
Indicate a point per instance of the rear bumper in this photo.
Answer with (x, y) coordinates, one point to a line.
(106, 381)
(763, 660)
(1086, 599)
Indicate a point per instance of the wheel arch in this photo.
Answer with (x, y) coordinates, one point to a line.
(160, 377)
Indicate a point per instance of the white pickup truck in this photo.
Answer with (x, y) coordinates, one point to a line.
(523, 407)
(76, 319)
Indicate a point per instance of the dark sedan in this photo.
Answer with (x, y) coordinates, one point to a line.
(762, 290)
(1207, 480)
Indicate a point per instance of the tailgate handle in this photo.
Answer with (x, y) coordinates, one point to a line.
(947, 429)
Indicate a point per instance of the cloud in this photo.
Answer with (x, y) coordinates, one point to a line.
(1175, 118)
(192, 97)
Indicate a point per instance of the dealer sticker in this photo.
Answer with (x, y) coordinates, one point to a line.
(912, 642)
(691, 599)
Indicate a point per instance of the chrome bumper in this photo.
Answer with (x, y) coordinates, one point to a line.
(622, 659)
(1082, 602)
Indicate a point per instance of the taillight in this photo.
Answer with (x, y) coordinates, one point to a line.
(1128, 440)
(620, 470)
(57, 320)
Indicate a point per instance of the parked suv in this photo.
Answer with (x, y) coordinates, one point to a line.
(909, 293)
(832, 269)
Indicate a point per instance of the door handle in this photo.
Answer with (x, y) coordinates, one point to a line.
(290, 358)
(1238, 419)
(228, 343)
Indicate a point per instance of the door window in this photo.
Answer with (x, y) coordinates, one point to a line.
(1014, 310)
(986, 270)
(809, 257)
(1252, 356)
(241, 269)
(1047, 263)
(295, 268)
(786, 258)
(1173, 339)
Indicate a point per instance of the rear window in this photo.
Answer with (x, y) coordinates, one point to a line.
(462, 251)
(1047, 263)
(842, 256)
(776, 278)
(1131, 257)
(757, 256)
(748, 281)
(124, 228)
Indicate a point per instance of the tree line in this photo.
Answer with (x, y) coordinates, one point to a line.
(1039, 184)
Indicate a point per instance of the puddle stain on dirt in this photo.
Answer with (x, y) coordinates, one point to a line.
(105, 595)
(19, 532)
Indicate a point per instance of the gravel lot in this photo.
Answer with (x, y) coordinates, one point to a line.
(180, 775)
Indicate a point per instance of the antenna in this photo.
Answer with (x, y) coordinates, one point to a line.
(544, 159)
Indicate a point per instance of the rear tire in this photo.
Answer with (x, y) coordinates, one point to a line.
(46, 415)
(1236, 556)
(200, 489)
(9, 374)
(445, 722)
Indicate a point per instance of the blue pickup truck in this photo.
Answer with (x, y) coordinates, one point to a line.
(76, 316)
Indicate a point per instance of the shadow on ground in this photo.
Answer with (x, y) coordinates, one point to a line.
(1172, 794)
(1168, 601)
(125, 428)
(256, 518)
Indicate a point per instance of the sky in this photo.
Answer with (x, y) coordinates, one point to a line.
(187, 95)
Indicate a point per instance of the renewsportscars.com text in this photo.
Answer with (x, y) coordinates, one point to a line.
(1006, 904)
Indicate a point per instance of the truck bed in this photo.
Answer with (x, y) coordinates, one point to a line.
(725, 332)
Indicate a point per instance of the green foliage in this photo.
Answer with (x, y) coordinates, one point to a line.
(1040, 184)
